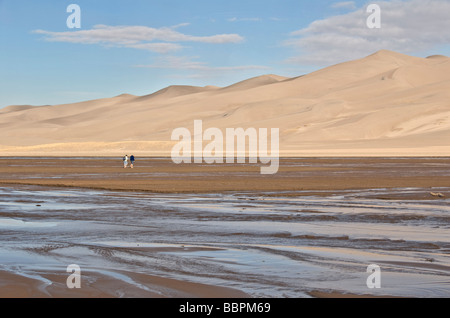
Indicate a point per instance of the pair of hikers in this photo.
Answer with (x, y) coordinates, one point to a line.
(125, 161)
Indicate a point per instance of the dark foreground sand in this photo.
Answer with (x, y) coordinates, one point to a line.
(97, 285)
(163, 176)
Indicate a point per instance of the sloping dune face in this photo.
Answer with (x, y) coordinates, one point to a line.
(385, 104)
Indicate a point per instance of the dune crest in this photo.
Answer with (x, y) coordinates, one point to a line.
(385, 103)
(255, 82)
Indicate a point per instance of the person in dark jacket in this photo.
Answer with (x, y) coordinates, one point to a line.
(132, 161)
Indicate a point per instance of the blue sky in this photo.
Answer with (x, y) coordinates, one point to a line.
(138, 46)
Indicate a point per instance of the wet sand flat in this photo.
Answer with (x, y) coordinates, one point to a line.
(163, 176)
(224, 231)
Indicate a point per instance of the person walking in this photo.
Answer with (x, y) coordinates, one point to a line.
(132, 161)
(125, 161)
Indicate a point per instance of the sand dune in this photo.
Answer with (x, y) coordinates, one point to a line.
(175, 91)
(255, 82)
(386, 103)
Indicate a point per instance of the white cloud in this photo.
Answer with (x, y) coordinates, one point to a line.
(139, 37)
(244, 19)
(344, 5)
(156, 47)
(406, 26)
(175, 62)
(199, 69)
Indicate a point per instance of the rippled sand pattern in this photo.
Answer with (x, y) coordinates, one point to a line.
(264, 244)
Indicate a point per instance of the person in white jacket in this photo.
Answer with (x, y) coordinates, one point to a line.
(125, 161)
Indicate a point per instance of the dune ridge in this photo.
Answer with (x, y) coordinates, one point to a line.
(384, 104)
